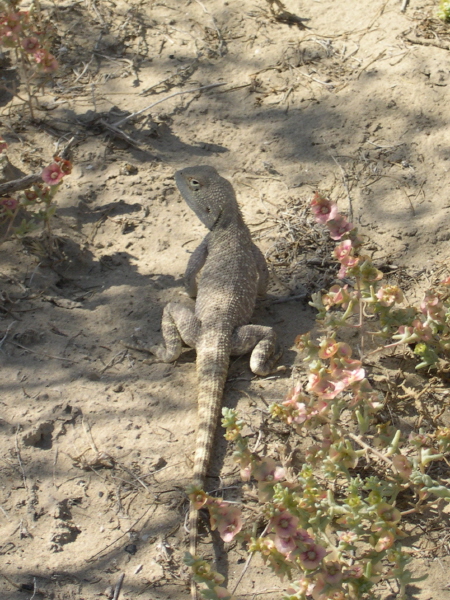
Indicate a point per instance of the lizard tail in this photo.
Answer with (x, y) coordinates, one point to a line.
(212, 369)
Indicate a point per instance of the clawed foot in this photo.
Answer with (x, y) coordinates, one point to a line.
(159, 353)
(265, 366)
(154, 350)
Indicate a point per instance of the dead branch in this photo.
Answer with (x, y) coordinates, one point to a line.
(19, 184)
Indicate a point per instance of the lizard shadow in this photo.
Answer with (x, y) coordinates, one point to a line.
(145, 138)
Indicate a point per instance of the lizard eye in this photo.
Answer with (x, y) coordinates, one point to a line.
(195, 185)
(208, 210)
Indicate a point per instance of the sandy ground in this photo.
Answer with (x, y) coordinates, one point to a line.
(95, 445)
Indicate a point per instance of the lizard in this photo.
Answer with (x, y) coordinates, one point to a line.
(225, 274)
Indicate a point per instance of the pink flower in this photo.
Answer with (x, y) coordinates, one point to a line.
(388, 513)
(348, 378)
(302, 586)
(303, 537)
(446, 281)
(13, 21)
(323, 209)
(198, 498)
(8, 203)
(320, 590)
(344, 350)
(297, 542)
(354, 572)
(64, 165)
(423, 331)
(348, 537)
(267, 473)
(344, 364)
(320, 407)
(389, 295)
(343, 250)
(344, 456)
(368, 272)
(285, 545)
(52, 174)
(30, 44)
(45, 60)
(229, 522)
(364, 392)
(10, 24)
(285, 524)
(326, 591)
(300, 415)
(385, 541)
(432, 307)
(337, 295)
(312, 557)
(332, 573)
(328, 347)
(338, 226)
(403, 466)
(294, 395)
(30, 195)
(268, 470)
(347, 262)
(322, 385)
(296, 411)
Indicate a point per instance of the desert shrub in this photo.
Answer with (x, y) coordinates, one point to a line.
(27, 36)
(35, 203)
(444, 10)
(334, 528)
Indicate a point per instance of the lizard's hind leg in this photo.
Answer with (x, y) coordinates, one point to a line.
(178, 325)
(262, 342)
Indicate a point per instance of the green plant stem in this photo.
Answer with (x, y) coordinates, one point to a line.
(10, 224)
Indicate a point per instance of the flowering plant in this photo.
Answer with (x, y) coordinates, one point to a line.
(334, 528)
(29, 38)
(37, 200)
(426, 326)
(443, 11)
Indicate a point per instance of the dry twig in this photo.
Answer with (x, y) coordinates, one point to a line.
(139, 112)
(6, 333)
(118, 586)
(19, 184)
(19, 458)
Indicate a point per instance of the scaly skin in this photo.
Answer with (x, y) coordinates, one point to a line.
(231, 272)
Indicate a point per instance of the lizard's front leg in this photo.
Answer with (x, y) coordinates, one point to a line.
(262, 342)
(179, 324)
(195, 264)
(263, 271)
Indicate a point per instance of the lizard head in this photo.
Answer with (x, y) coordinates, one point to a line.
(208, 194)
